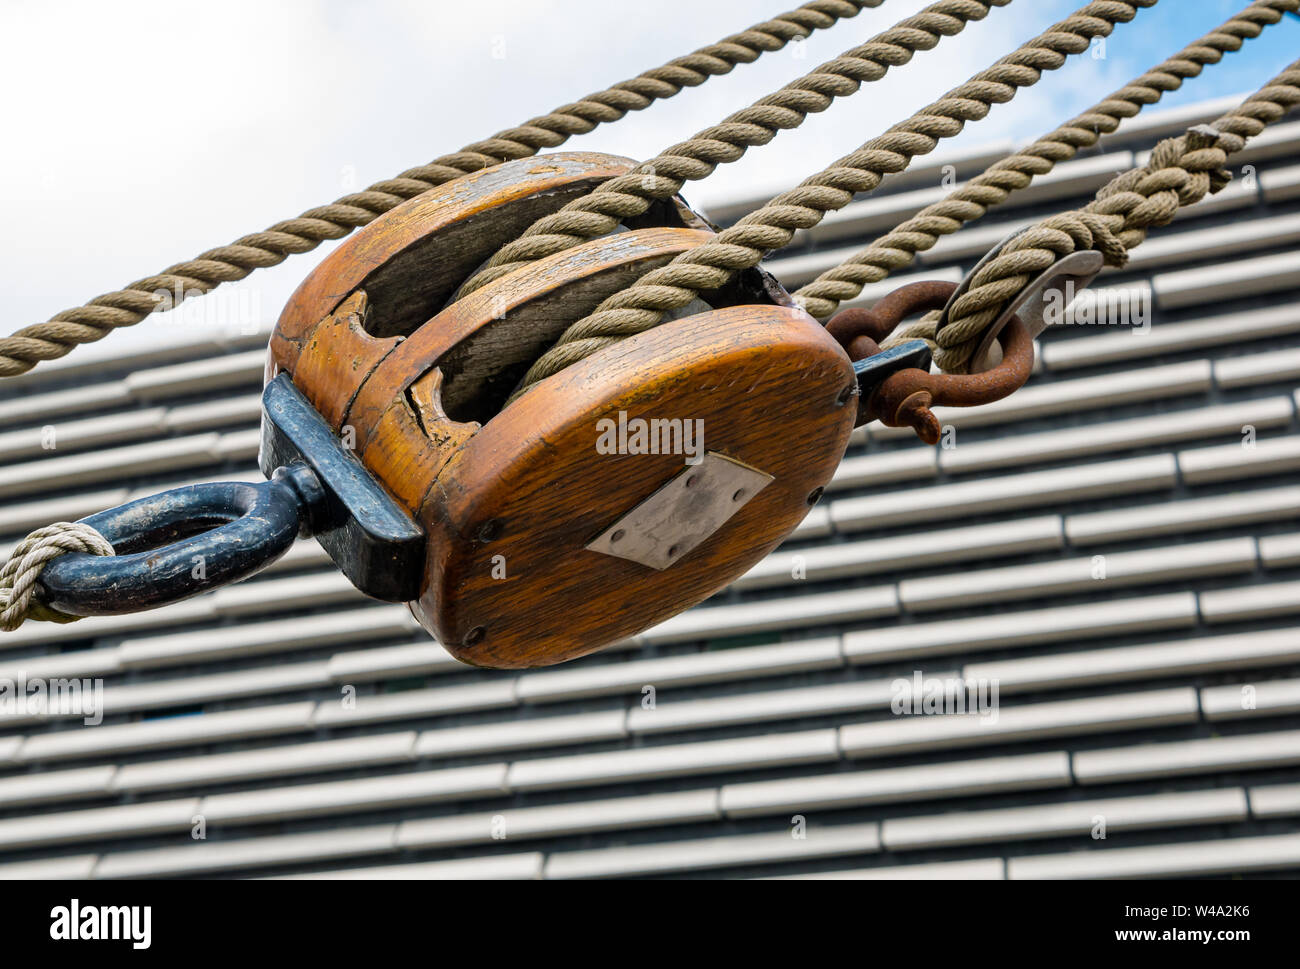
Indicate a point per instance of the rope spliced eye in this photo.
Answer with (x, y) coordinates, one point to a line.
(1047, 294)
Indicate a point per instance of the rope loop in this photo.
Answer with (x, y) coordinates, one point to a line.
(18, 575)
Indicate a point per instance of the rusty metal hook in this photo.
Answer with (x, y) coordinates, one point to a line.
(861, 331)
(904, 399)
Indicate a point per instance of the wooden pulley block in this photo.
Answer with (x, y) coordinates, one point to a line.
(610, 496)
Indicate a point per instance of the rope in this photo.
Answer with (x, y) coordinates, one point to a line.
(1181, 171)
(93, 321)
(743, 245)
(31, 555)
(896, 249)
(630, 195)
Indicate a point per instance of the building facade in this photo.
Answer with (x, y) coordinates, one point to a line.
(1112, 555)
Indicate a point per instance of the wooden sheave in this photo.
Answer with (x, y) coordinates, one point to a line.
(512, 497)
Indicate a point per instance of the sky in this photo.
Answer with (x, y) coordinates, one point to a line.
(141, 133)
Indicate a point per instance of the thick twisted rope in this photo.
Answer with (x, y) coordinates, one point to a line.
(125, 307)
(1181, 171)
(742, 246)
(630, 195)
(897, 249)
(31, 555)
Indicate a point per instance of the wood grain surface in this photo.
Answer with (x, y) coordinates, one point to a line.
(411, 259)
(767, 382)
(510, 497)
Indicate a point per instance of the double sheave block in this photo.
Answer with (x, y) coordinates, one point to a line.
(543, 546)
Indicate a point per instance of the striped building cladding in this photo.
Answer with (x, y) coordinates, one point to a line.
(1117, 546)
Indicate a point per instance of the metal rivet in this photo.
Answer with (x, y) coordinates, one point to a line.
(489, 530)
(617, 536)
(690, 481)
(475, 635)
(815, 495)
(672, 552)
(740, 493)
(845, 394)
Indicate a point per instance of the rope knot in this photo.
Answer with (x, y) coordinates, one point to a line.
(1201, 151)
(1105, 241)
(30, 556)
